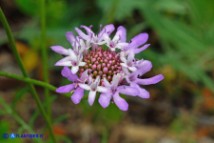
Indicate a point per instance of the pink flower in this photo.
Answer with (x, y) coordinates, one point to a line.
(104, 65)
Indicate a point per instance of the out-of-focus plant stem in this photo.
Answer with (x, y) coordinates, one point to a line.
(29, 80)
(18, 59)
(16, 117)
(44, 55)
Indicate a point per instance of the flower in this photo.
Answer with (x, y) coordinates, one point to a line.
(105, 65)
(72, 59)
(74, 87)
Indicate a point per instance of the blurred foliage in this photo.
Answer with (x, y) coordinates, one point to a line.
(187, 47)
(29, 7)
(181, 36)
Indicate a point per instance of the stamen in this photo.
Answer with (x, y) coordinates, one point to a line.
(103, 63)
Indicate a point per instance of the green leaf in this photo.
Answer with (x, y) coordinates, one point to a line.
(170, 6)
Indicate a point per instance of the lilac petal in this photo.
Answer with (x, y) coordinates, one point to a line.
(105, 99)
(65, 89)
(138, 40)
(81, 64)
(84, 76)
(138, 50)
(85, 86)
(66, 72)
(121, 31)
(151, 80)
(131, 56)
(106, 82)
(74, 69)
(108, 29)
(96, 82)
(70, 37)
(82, 35)
(120, 102)
(87, 29)
(143, 67)
(116, 79)
(91, 97)
(78, 95)
(127, 90)
(64, 62)
(141, 91)
(102, 89)
(60, 50)
(122, 45)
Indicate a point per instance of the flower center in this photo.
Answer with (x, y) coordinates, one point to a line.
(74, 63)
(112, 44)
(102, 63)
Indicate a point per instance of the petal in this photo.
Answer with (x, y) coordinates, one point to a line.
(72, 55)
(123, 56)
(65, 89)
(63, 62)
(87, 29)
(85, 86)
(60, 50)
(125, 70)
(91, 97)
(106, 82)
(151, 80)
(70, 37)
(82, 64)
(97, 81)
(66, 72)
(132, 69)
(116, 80)
(77, 95)
(143, 67)
(138, 50)
(82, 35)
(84, 76)
(107, 38)
(121, 32)
(74, 69)
(120, 102)
(102, 89)
(105, 99)
(127, 90)
(124, 65)
(131, 56)
(108, 29)
(142, 92)
(122, 45)
(138, 40)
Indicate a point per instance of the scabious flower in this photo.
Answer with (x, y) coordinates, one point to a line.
(105, 65)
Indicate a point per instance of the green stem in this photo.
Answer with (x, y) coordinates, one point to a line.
(10, 111)
(29, 80)
(44, 54)
(12, 42)
(18, 59)
(32, 81)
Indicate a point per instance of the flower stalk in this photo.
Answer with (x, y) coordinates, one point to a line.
(29, 80)
(44, 55)
(18, 59)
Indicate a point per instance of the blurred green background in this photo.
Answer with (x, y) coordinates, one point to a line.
(181, 108)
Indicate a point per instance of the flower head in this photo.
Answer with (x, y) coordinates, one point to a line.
(105, 65)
